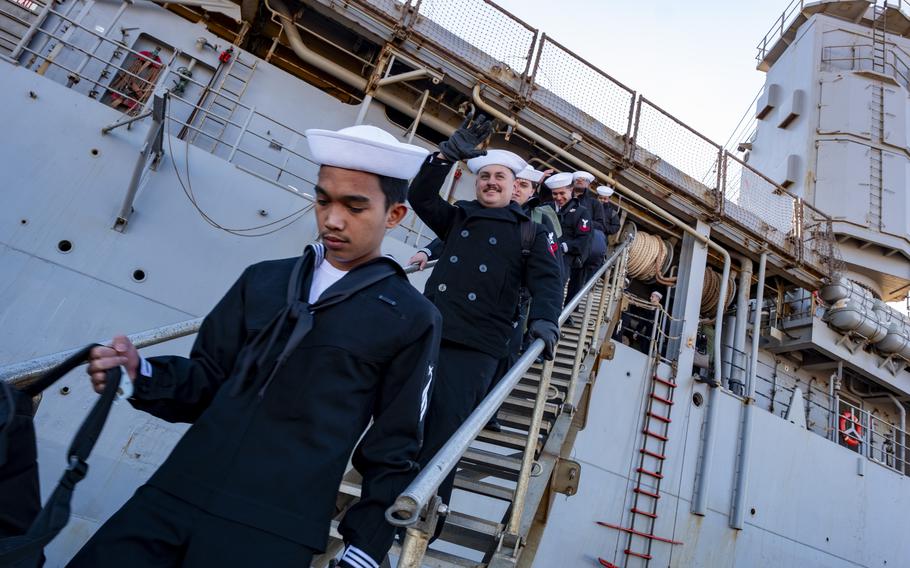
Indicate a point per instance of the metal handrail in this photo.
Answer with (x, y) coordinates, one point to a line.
(777, 28)
(407, 507)
(20, 374)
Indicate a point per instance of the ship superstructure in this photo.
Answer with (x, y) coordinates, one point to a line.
(756, 416)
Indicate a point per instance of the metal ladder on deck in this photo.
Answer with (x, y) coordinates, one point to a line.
(234, 82)
(652, 455)
(877, 108)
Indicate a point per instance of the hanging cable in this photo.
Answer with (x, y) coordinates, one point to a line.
(240, 232)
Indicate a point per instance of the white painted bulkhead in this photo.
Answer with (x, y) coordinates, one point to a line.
(822, 129)
(812, 507)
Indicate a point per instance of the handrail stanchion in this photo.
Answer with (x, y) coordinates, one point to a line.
(602, 306)
(527, 459)
(569, 405)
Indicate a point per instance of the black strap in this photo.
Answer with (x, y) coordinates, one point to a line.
(56, 512)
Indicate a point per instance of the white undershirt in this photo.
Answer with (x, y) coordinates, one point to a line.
(324, 276)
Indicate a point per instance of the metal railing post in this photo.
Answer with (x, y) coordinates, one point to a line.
(579, 352)
(243, 129)
(527, 459)
(602, 305)
(30, 32)
(417, 537)
(413, 548)
(74, 77)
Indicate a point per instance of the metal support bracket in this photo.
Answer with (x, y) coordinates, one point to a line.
(566, 477)
(152, 146)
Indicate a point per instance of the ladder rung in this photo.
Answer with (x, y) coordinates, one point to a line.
(647, 432)
(639, 533)
(666, 401)
(493, 458)
(638, 554)
(606, 564)
(663, 381)
(506, 438)
(646, 493)
(636, 511)
(483, 488)
(663, 419)
(653, 454)
(651, 473)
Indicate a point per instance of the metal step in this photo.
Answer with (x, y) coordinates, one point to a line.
(520, 421)
(483, 488)
(438, 559)
(522, 389)
(497, 465)
(506, 439)
(470, 531)
(525, 406)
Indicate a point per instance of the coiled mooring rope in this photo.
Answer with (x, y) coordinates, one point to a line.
(647, 256)
(710, 292)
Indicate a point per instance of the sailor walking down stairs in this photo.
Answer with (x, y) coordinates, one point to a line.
(524, 195)
(577, 230)
(285, 375)
(476, 283)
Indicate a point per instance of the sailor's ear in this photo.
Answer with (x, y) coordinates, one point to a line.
(395, 214)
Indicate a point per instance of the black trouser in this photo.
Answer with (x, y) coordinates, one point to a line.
(576, 280)
(155, 529)
(463, 376)
(516, 344)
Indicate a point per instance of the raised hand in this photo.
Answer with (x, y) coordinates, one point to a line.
(462, 145)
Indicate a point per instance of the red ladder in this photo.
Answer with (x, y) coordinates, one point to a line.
(649, 474)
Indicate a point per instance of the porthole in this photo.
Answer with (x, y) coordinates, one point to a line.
(139, 275)
(64, 246)
(698, 399)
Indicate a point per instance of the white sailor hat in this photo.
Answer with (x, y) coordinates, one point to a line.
(498, 158)
(365, 148)
(530, 174)
(556, 181)
(604, 191)
(658, 294)
(583, 175)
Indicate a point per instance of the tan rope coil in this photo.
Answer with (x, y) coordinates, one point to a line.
(647, 255)
(710, 292)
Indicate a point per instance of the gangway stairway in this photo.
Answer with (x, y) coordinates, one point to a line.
(490, 468)
(16, 20)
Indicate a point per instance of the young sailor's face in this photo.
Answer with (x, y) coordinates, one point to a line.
(523, 191)
(603, 198)
(561, 196)
(494, 186)
(352, 216)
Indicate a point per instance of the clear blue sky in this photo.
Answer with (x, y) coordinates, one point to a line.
(696, 58)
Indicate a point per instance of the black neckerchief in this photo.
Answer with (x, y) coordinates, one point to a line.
(255, 357)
